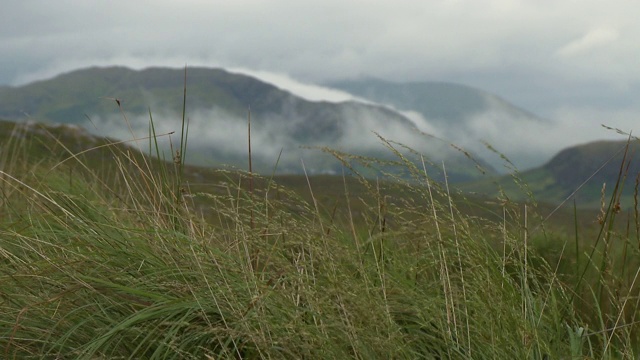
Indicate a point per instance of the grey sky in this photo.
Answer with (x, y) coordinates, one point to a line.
(564, 60)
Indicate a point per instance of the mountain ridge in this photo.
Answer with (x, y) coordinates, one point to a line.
(218, 102)
(462, 115)
(427, 96)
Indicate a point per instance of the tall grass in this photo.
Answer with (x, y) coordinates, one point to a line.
(134, 264)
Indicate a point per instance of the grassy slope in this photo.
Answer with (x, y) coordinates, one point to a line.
(585, 168)
(116, 260)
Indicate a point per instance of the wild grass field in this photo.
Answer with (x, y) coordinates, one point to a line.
(108, 253)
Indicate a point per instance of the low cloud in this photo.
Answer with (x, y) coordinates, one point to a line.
(592, 40)
(421, 123)
(530, 144)
(215, 137)
(306, 91)
(362, 128)
(219, 138)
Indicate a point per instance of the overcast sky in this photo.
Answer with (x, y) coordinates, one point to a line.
(568, 61)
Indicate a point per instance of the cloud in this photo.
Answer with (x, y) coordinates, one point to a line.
(317, 40)
(591, 41)
(218, 138)
(363, 126)
(421, 123)
(212, 132)
(306, 91)
(530, 144)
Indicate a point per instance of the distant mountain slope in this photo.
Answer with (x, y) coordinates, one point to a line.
(29, 142)
(572, 165)
(217, 106)
(437, 101)
(67, 97)
(585, 167)
(462, 115)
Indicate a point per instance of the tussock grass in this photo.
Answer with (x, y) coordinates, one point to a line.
(126, 265)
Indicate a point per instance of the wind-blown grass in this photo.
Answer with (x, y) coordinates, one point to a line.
(125, 266)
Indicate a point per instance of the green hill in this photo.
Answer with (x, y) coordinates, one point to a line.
(579, 171)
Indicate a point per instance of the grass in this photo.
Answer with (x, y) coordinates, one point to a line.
(112, 254)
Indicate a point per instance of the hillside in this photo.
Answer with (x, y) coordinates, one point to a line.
(446, 103)
(584, 167)
(217, 106)
(464, 115)
(111, 254)
(124, 258)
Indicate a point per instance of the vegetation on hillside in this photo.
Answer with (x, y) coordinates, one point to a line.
(107, 253)
(582, 173)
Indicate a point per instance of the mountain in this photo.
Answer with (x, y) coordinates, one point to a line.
(585, 168)
(441, 102)
(460, 114)
(217, 108)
